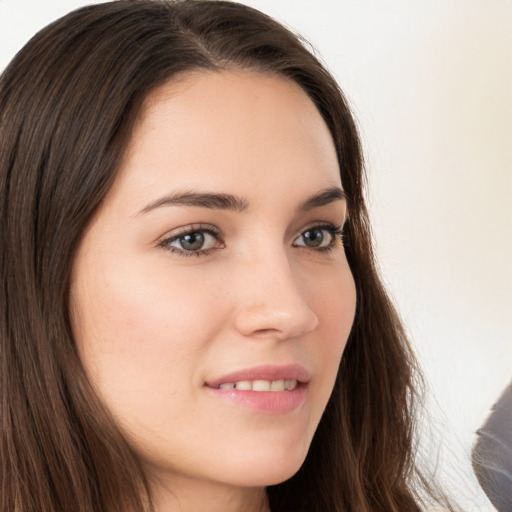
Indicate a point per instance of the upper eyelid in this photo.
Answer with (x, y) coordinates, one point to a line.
(322, 224)
(332, 228)
(209, 228)
(191, 228)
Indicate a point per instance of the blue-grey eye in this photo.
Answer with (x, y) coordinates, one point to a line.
(313, 237)
(316, 237)
(194, 241)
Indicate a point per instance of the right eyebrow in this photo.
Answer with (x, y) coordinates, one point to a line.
(201, 199)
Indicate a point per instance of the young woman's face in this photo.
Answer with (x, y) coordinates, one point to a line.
(211, 297)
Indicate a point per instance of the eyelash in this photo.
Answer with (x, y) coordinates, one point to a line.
(335, 232)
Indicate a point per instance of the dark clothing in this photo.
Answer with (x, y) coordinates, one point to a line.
(492, 455)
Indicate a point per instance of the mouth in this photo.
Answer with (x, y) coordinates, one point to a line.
(265, 388)
(261, 385)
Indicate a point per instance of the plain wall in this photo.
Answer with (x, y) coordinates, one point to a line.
(430, 83)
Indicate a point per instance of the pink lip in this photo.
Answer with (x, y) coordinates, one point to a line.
(273, 402)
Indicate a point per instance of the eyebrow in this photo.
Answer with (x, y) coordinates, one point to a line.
(221, 201)
(326, 196)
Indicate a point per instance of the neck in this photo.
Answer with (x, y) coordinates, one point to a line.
(209, 497)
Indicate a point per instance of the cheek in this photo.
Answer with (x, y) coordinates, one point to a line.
(335, 303)
(338, 313)
(138, 333)
(332, 294)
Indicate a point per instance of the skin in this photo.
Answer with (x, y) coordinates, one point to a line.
(153, 326)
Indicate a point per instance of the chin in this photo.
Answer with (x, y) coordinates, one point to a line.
(258, 470)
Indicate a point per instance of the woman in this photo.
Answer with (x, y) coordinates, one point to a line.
(182, 328)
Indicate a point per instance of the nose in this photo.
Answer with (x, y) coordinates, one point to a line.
(270, 301)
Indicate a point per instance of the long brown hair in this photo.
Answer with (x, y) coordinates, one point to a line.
(68, 102)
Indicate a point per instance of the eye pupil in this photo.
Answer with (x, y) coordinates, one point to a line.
(192, 241)
(313, 237)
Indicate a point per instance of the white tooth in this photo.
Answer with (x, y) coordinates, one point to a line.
(227, 385)
(244, 385)
(277, 385)
(291, 384)
(261, 385)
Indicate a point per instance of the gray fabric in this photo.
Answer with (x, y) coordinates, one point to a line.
(492, 455)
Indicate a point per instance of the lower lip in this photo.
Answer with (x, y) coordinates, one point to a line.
(272, 402)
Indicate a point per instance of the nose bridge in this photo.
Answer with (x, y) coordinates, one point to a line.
(270, 300)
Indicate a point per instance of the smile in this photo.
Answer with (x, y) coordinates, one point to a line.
(265, 388)
(261, 385)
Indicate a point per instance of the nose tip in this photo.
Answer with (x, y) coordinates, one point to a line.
(283, 314)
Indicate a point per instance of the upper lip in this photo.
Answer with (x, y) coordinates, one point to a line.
(264, 372)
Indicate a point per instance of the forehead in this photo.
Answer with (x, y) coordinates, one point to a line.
(244, 130)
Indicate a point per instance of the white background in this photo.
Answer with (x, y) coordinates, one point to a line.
(430, 82)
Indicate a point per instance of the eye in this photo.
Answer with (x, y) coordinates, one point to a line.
(192, 242)
(319, 237)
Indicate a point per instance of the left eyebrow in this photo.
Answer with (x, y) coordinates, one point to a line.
(230, 202)
(329, 195)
